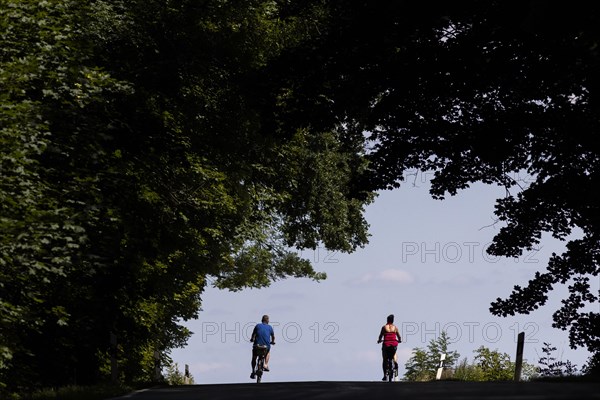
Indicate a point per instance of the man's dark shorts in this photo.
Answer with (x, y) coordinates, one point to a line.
(257, 351)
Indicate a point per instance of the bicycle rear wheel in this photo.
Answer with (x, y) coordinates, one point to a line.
(259, 370)
(390, 370)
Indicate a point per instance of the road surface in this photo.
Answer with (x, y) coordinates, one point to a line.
(447, 390)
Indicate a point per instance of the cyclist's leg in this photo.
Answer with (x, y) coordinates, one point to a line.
(267, 356)
(253, 359)
(390, 360)
(396, 360)
(383, 361)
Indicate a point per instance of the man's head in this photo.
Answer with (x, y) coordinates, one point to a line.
(390, 319)
(265, 319)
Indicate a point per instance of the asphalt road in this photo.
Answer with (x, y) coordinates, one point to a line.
(448, 390)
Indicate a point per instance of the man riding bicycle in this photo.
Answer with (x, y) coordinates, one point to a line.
(262, 335)
(390, 336)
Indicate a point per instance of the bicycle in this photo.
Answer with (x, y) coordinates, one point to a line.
(390, 371)
(261, 352)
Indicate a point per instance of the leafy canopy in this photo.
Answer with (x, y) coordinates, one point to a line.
(139, 165)
(474, 92)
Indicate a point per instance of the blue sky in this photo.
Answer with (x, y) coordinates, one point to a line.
(425, 263)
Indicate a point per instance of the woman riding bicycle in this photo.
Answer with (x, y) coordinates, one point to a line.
(390, 336)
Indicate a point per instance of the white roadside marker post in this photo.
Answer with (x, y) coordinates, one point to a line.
(438, 376)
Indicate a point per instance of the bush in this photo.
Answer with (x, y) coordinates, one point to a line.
(175, 377)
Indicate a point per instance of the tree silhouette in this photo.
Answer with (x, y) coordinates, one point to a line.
(473, 92)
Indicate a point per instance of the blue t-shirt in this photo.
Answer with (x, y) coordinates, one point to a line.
(263, 334)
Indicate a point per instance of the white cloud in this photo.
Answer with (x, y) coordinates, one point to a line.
(395, 275)
(385, 276)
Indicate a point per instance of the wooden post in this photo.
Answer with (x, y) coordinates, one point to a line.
(187, 375)
(157, 373)
(519, 359)
(114, 366)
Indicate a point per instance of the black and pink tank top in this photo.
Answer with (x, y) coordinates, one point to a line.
(390, 339)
